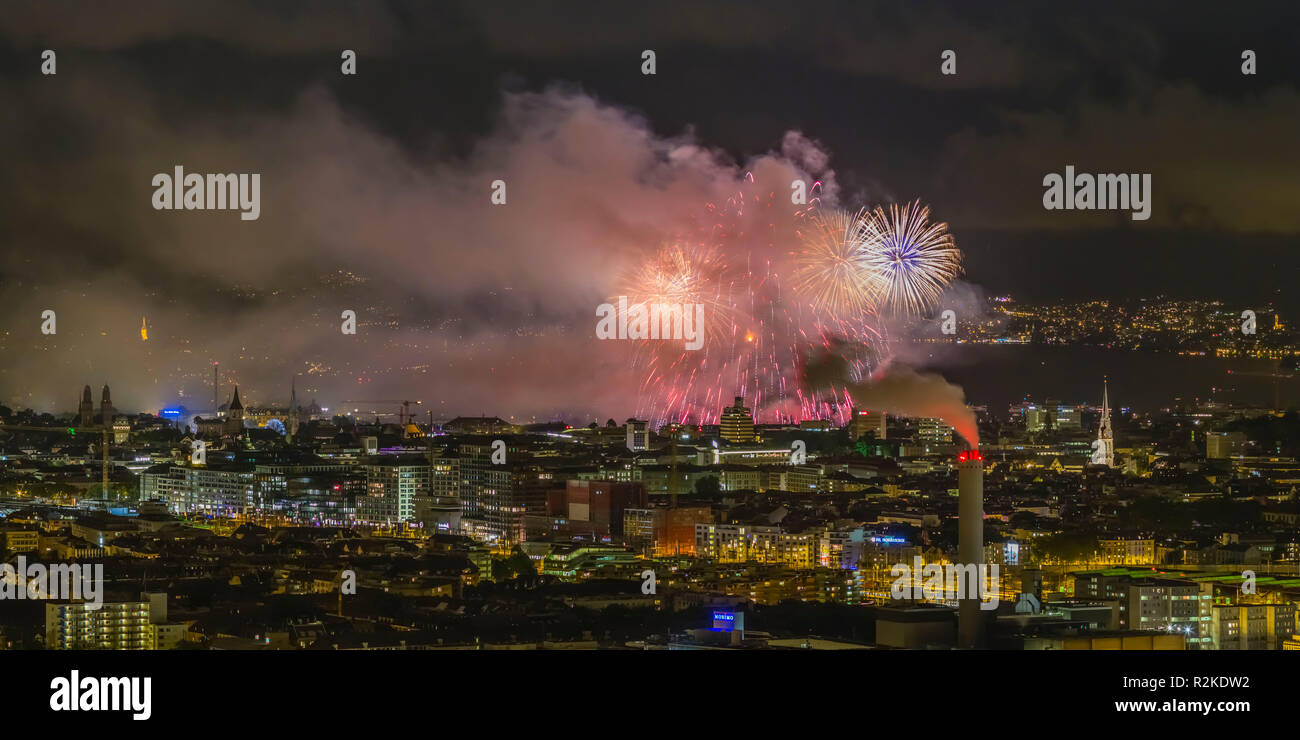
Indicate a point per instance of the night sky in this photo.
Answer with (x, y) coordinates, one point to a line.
(385, 174)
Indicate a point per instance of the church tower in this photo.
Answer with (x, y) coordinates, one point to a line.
(235, 415)
(293, 409)
(106, 408)
(1104, 447)
(87, 409)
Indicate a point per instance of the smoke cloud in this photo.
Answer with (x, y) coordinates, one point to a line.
(899, 390)
(469, 306)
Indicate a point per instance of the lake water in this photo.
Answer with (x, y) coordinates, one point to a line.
(999, 375)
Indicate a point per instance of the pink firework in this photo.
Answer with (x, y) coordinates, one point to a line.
(759, 329)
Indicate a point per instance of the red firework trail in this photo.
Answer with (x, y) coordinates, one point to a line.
(758, 331)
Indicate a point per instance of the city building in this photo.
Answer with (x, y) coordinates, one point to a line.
(739, 543)
(736, 424)
(394, 487)
(934, 431)
(1128, 551)
(113, 626)
(495, 497)
(1223, 445)
(861, 422)
(638, 435)
(662, 531)
(215, 490)
(1246, 626)
(593, 510)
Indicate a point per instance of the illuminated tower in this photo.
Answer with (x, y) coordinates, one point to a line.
(106, 409)
(737, 424)
(87, 409)
(1104, 447)
(970, 543)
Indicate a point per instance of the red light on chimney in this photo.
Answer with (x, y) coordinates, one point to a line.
(961, 457)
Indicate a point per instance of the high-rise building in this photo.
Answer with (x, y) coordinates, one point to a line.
(394, 486)
(495, 497)
(1035, 418)
(441, 510)
(737, 423)
(1105, 444)
(638, 435)
(475, 461)
(113, 626)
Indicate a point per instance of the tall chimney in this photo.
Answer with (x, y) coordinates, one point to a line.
(970, 542)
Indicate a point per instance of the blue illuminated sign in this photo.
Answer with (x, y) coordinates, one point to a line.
(724, 621)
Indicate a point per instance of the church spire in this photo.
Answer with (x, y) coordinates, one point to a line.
(293, 408)
(1104, 447)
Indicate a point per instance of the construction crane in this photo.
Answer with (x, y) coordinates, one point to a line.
(672, 471)
(404, 416)
(105, 431)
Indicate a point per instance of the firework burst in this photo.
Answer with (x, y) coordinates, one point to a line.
(910, 260)
(769, 306)
(681, 275)
(832, 267)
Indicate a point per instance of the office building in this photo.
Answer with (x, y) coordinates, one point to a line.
(737, 423)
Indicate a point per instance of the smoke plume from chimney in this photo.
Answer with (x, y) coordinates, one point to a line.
(900, 390)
